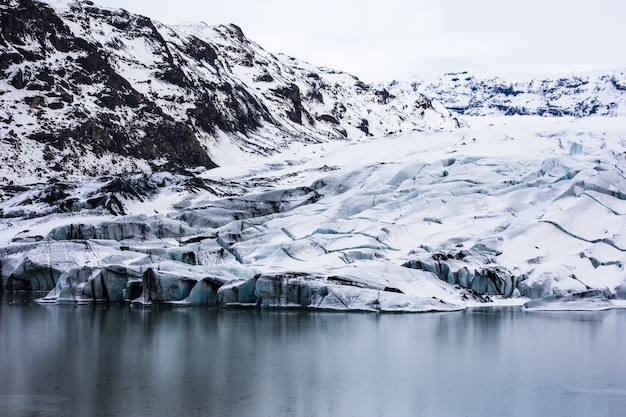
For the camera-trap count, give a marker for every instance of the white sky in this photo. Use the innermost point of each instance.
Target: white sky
(396, 39)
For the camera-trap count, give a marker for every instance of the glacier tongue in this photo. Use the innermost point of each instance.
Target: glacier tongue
(500, 212)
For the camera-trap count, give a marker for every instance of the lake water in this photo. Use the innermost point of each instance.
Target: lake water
(126, 361)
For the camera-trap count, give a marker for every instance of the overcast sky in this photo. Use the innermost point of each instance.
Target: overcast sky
(396, 39)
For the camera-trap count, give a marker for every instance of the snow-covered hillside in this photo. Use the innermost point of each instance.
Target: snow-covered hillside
(507, 210)
(90, 90)
(578, 95)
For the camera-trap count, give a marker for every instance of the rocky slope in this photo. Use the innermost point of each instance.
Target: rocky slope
(577, 95)
(96, 91)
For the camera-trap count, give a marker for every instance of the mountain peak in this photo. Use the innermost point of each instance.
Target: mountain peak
(91, 90)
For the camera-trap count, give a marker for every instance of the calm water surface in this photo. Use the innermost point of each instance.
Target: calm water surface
(124, 361)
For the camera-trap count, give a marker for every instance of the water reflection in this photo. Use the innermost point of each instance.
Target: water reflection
(116, 360)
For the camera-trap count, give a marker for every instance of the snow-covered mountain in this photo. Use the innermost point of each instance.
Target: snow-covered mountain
(91, 90)
(578, 95)
(330, 193)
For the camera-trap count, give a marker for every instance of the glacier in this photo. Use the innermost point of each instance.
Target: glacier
(521, 210)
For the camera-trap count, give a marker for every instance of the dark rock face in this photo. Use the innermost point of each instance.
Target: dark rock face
(292, 93)
(86, 64)
(38, 21)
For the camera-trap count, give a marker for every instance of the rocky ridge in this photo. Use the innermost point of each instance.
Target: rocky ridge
(86, 90)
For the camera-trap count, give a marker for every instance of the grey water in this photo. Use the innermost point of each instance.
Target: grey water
(118, 360)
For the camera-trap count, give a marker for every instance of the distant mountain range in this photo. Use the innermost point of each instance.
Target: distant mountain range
(577, 95)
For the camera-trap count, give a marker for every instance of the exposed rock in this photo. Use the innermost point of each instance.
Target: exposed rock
(292, 92)
(159, 97)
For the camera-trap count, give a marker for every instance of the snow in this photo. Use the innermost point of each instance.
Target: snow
(336, 221)
(141, 52)
(592, 93)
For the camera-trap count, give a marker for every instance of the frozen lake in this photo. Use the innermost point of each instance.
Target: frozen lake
(121, 361)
